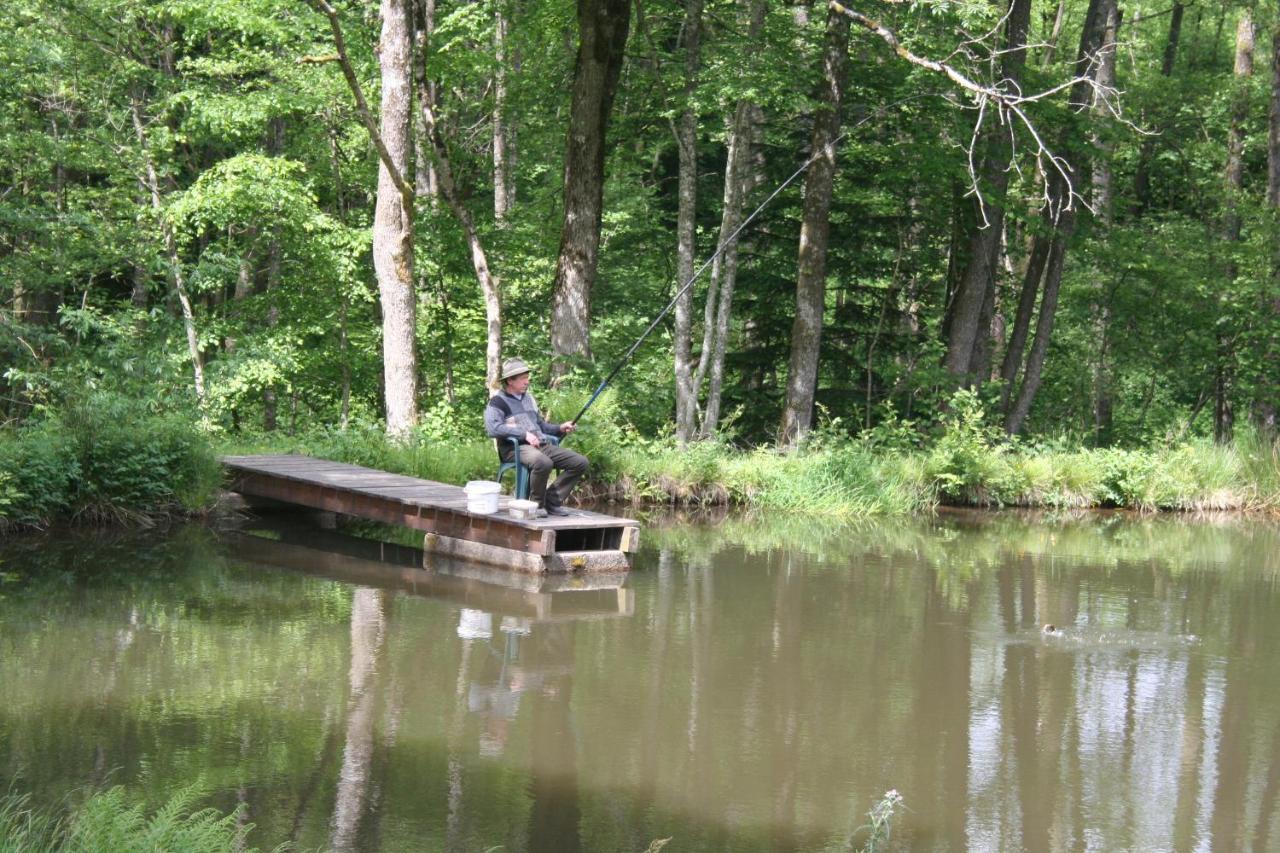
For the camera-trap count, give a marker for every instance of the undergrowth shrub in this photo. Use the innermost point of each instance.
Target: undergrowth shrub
(105, 459)
(886, 470)
(968, 463)
(40, 469)
(136, 463)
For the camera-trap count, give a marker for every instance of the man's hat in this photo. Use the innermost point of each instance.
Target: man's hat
(513, 367)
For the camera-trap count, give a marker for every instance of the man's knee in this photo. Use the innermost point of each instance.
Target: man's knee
(539, 463)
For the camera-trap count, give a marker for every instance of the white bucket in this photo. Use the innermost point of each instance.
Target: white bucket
(482, 496)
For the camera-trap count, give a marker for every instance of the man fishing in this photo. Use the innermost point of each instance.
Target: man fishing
(513, 413)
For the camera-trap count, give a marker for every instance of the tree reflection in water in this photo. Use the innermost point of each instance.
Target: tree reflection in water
(749, 686)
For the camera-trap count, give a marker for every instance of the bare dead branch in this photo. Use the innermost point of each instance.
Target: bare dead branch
(1007, 102)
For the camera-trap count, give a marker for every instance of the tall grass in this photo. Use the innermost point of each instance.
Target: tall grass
(1260, 459)
(451, 461)
(852, 478)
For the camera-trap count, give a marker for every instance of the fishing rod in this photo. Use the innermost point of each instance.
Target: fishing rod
(728, 241)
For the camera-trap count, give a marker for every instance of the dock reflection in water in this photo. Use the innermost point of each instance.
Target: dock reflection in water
(517, 647)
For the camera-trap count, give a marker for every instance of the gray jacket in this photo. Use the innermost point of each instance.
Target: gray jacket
(523, 417)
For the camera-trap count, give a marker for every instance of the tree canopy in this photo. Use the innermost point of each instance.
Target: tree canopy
(191, 187)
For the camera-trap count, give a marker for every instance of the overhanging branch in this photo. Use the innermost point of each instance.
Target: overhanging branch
(1008, 103)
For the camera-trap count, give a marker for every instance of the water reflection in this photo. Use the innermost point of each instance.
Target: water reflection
(516, 653)
(750, 686)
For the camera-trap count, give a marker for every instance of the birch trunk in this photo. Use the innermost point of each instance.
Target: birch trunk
(177, 281)
(1269, 394)
(502, 184)
(355, 779)
(740, 178)
(1102, 202)
(815, 226)
(393, 224)
(743, 173)
(275, 147)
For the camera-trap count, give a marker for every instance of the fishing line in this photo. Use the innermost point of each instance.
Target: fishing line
(830, 146)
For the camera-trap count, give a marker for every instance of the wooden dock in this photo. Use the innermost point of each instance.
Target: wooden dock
(582, 541)
(382, 565)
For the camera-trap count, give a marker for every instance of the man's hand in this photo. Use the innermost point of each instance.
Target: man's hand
(567, 427)
(532, 439)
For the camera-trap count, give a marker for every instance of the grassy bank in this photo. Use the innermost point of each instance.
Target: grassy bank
(846, 479)
(114, 461)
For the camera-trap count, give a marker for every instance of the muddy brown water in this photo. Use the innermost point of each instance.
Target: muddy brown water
(754, 684)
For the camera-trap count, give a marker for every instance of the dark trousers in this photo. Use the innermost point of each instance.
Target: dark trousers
(540, 461)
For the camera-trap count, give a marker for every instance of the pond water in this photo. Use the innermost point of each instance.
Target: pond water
(750, 685)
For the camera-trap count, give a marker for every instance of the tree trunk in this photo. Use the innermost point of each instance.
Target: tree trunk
(138, 292)
(1055, 32)
(1102, 203)
(176, 279)
(344, 346)
(815, 226)
(742, 175)
(502, 183)
(1011, 367)
(1044, 325)
(1234, 174)
(393, 224)
(602, 36)
(1142, 175)
(967, 337)
(340, 200)
(743, 171)
(1269, 393)
(355, 783)
(1106, 76)
(1092, 40)
(426, 182)
(686, 225)
(1234, 180)
(275, 147)
(490, 287)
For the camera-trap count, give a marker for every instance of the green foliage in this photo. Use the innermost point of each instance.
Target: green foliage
(107, 820)
(105, 458)
(968, 463)
(1260, 458)
(42, 470)
(131, 460)
(267, 179)
(24, 829)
